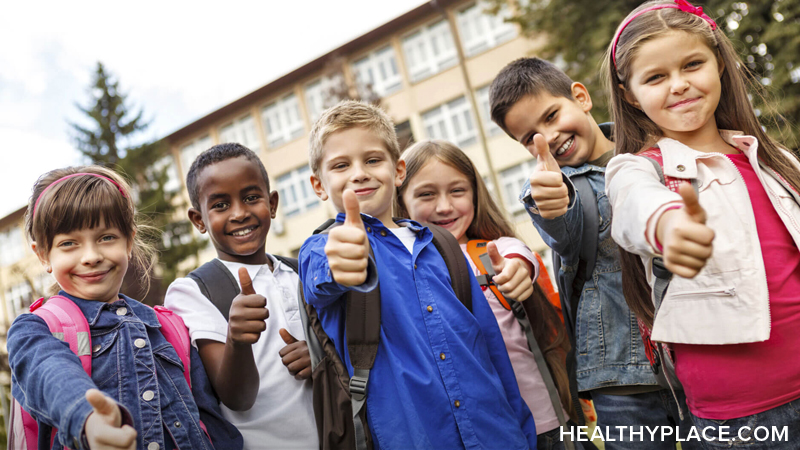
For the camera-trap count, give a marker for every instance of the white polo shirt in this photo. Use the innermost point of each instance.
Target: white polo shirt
(282, 416)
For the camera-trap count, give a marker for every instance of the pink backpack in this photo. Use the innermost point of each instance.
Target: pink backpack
(67, 323)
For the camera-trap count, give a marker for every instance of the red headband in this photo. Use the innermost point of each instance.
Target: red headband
(35, 205)
(683, 5)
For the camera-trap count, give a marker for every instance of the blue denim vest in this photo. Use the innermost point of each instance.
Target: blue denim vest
(609, 350)
(132, 363)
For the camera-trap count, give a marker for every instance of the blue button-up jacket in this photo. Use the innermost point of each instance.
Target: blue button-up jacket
(609, 349)
(147, 380)
(442, 377)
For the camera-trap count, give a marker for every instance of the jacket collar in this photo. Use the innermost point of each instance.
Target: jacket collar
(680, 161)
(92, 309)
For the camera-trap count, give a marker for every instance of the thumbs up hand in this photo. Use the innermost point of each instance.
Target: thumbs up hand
(348, 247)
(513, 278)
(686, 239)
(295, 356)
(547, 184)
(104, 429)
(248, 313)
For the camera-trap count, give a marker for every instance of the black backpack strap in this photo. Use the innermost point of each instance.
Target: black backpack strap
(217, 283)
(291, 262)
(456, 262)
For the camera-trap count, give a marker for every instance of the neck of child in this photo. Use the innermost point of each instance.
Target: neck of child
(387, 221)
(258, 258)
(705, 139)
(602, 144)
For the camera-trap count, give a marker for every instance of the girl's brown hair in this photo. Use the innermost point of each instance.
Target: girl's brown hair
(489, 223)
(84, 202)
(634, 131)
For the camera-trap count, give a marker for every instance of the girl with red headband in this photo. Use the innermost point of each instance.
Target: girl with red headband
(699, 185)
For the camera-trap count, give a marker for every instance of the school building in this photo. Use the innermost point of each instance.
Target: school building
(431, 69)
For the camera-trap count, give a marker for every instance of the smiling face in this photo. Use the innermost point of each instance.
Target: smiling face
(675, 81)
(357, 159)
(90, 263)
(236, 209)
(566, 124)
(440, 194)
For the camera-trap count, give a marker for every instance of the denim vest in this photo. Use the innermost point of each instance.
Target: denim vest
(132, 363)
(609, 350)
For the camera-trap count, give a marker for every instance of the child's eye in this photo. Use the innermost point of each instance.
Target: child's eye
(653, 78)
(425, 194)
(251, 198)
(694, 64)
(458, 191)
(66, 244)
(219, 205)
(551, 116)
(108, 238)
(373, 161)
(339, 166)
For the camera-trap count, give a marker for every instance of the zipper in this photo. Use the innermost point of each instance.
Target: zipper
(729, 292)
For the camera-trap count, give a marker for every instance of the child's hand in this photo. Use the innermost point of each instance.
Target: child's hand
(295, 356)
(348, 247)
(547, 185)
(513, 278)
(684, 235)
(246, 320)
(104, 429)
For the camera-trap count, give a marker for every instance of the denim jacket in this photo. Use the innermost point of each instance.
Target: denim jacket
(132, 363)
(609, 350)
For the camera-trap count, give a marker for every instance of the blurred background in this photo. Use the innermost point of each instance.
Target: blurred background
(145, 87)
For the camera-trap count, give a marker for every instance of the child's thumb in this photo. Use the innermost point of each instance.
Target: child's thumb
(692, 203)
(246, 282)
(541, 151)
(102, 404)
(498, 262)
(352, 211)
(287, 338)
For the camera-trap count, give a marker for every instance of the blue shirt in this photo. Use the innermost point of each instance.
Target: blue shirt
(132, 363)
(442, 377)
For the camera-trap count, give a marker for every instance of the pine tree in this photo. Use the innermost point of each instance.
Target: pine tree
(109, 142)
(766, 34)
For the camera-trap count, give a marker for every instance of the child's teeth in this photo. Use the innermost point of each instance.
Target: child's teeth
(564, 147)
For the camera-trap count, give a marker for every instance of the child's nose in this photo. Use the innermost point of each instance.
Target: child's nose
(444, 205)
(359, 173)
(679, 85)
(239, 212)
(91, 256)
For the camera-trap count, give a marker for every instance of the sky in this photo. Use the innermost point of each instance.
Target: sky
(176, 60)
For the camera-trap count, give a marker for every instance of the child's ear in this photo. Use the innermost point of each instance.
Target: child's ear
(319, 188)
(42, 258)
(273, 203)
(628, 96)
(197, 220)
(581, 95)
(130, 244)
(400, 173)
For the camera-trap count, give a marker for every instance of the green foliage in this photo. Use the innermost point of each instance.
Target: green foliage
(578, 32)
(146, 167)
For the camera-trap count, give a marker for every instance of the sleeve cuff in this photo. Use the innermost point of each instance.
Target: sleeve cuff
(652, 225)
(372, 277)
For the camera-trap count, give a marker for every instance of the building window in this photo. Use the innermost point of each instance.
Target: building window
(377, 72)
(485, 111)
(20, 297)
(12, 246)
(512, 180)
(296, 193)
(451, 121)
(241, 131)
(429, 51)
(480, 31)
(282, 121)
(322, 94)
(189, 152)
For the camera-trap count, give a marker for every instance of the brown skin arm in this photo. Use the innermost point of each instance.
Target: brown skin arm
(231, 368)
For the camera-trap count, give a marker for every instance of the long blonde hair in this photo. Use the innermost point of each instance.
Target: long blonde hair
(489, 223)
(634, 131)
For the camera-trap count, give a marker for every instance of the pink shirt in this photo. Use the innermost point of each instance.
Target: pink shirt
(730, 381)
(531, 384)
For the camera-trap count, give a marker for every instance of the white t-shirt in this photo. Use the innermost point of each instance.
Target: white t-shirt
(282, 416)
(406, 236)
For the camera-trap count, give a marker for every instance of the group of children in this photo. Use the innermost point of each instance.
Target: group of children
(686, 298)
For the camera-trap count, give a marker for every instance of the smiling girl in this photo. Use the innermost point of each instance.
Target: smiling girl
(731, 312)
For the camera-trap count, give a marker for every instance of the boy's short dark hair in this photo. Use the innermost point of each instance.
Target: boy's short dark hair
(213, 155)
(524, 77)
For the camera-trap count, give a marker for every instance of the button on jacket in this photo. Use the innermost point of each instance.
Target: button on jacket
(442, 377)
(132, 363)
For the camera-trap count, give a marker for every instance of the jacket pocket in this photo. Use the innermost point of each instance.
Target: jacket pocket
(169, 355)
(105, 362)
(702, 294)
(589, 323)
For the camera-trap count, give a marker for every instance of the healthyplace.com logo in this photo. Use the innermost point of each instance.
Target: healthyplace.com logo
(660, 434)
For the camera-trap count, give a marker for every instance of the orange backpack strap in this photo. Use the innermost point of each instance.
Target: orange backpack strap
(476, 249)
(546, 283)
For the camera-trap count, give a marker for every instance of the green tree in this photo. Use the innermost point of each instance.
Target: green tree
(766, 34)
(109, 141)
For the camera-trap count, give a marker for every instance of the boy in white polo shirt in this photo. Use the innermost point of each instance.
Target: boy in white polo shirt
(247, 341)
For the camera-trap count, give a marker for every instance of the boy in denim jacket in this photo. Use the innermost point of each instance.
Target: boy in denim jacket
(540, 107)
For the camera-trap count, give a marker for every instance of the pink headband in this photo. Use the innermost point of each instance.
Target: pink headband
(35, 205)
(683, 5)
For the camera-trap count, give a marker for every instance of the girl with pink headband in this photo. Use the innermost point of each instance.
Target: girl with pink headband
(699, 185)
(123, 386)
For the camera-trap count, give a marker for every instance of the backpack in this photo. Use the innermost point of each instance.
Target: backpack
(339, 401)
(67, 323)
(476, 248)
